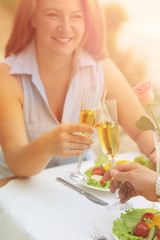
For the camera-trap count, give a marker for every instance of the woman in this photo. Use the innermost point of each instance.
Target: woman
(55, 48)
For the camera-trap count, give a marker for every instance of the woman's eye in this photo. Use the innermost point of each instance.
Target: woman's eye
(53, 15)
(78, 17)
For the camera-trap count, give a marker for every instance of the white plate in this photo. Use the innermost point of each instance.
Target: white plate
(115, 237)
(95, 188)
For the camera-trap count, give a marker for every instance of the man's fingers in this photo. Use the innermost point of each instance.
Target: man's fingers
(106, 176)
(126, 192)
(114, 185)
(122, 174)
(124, 167)
(119, 175)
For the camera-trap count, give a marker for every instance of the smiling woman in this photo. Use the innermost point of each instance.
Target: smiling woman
(54, 50)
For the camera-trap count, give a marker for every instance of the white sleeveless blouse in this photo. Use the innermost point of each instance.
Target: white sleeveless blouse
(38, 117)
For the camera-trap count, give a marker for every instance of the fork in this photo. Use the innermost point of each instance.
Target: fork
(96, 232)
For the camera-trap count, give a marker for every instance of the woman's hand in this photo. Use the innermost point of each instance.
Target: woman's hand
(63, 141)
(138, 180)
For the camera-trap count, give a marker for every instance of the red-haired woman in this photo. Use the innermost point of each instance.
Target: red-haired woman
(54, 49)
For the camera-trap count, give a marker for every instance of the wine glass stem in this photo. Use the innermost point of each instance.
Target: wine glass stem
(79, 163)
(113, 166)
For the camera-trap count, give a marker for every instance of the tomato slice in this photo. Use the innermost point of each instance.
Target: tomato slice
(141, 229)
(98, 171)
(147, 215)
(101, 182)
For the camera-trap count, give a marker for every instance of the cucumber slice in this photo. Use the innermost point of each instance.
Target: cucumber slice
(152, 233)
(96, 177)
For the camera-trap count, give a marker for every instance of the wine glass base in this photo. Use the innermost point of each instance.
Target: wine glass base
(116, 205)
(75, 177)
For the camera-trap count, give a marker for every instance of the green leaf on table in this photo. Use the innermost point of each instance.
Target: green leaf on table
(145, 124)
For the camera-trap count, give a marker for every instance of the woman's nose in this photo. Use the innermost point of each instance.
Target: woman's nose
(65, 25)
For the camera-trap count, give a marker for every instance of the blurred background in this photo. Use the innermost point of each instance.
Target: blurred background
(133, 40)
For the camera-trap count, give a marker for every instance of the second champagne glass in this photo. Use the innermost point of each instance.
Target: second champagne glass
(108, 134)
(93, 96)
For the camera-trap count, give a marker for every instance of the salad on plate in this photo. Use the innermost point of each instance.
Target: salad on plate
(138, 224)
(95, 173)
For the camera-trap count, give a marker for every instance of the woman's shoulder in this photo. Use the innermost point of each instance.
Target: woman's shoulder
(9, 84)
(23, 61)
(108, 63)
(110, 69)
(4, 69)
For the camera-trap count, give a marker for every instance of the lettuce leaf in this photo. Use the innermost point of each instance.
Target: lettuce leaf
(145, 162)
(101, 161)
(97, 184)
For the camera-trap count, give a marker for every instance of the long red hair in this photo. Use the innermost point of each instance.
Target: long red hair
(23, 32)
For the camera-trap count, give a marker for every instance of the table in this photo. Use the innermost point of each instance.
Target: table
(39, 207)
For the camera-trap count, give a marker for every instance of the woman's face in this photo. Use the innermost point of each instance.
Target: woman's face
(59, 26)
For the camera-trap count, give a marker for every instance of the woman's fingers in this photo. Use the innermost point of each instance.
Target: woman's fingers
(77, 138)
(76, 127)
(78, 146)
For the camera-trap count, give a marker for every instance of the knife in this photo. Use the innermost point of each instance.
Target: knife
(85, 193)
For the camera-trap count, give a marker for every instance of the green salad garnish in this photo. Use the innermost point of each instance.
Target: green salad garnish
(123, 226)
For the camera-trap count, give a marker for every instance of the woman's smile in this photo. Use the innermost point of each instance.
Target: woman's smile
(62, 40)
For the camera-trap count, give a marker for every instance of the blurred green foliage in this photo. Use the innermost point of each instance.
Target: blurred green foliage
(10, 4)
(133, 69)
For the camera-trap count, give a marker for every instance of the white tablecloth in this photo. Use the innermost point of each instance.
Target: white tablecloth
(40, 208)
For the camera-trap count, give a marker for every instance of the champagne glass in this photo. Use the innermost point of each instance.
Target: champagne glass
(108, 134)
(93, 96)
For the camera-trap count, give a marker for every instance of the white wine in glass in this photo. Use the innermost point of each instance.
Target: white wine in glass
(108, 134)
(93, 96)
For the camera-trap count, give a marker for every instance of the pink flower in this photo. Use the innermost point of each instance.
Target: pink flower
(144, 92)
(146, 96)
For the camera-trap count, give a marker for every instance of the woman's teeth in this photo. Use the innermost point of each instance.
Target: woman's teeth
(63, 39)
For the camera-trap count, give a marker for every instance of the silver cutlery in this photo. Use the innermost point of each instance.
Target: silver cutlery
(96, 232)
(85, 193)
